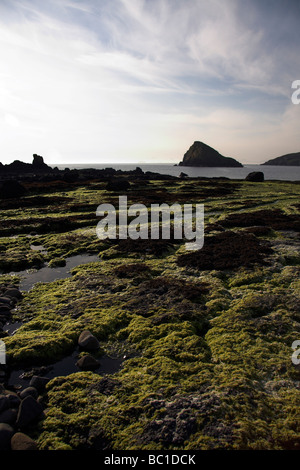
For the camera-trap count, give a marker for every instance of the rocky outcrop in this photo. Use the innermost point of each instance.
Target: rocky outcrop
(290, 159)
(17, 167)
(201, 155)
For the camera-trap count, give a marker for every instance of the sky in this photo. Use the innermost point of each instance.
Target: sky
(138, 81)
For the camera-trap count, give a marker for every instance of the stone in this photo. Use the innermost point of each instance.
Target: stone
(20, 441)
(88, 341)
(39, 383)
(32, 391)
(30, 410)
(4, 403)
(13, 293)
(8, 416)
(5, 309)
(6, 300)
(6, 433)
(14, 400)
(255, 176)
(87, 363)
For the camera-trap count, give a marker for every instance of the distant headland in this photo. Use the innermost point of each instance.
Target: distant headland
(290, 159)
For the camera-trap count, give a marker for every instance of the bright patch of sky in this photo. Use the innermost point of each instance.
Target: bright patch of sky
(131, 81)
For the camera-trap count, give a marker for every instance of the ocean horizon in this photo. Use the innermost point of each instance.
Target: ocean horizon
(281, 173)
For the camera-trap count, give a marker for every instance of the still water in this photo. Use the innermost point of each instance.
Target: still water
(272, 172)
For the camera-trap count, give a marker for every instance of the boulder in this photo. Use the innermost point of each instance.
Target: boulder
(4, 403)
(6, 300)
(13, 292)
(88, 341)
(30, 410)
(14, 400)
(20, 441)
(6, 433)
(255, 176)
(87, 363)
(39, 383)
(8, 416)
(29, 391)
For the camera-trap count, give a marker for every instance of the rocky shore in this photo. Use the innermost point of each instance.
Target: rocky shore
(198, 345)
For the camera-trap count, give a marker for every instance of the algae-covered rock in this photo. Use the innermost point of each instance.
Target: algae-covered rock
(202, 340)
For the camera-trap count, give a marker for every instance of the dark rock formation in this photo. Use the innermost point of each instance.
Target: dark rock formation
(255, 176)
(290, 159)
(38, 161)
(201, 155)
(17, 167)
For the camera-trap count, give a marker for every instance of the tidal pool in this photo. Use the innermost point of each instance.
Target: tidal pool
(30, 277)
(64, 367)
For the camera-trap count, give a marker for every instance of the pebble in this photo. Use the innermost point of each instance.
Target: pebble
(87, 363)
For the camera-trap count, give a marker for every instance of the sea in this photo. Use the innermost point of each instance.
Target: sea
(283, 173)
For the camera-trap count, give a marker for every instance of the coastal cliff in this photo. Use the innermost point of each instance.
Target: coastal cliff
(290, 159)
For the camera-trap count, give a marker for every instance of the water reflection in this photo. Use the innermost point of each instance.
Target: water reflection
(30, 277)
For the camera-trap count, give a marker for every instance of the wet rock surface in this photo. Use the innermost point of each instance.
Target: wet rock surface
(192, 349)
(18, 412)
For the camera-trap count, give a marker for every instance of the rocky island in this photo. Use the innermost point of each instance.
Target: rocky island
(202, 155)
(290, 159)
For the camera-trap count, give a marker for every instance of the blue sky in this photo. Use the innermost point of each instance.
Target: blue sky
(109, 81)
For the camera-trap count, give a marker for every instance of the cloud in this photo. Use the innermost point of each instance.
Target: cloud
(138, 79)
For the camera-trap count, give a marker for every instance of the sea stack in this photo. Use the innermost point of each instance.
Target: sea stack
(202, 155)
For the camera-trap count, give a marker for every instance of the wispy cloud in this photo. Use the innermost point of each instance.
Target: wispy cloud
(137, 79)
